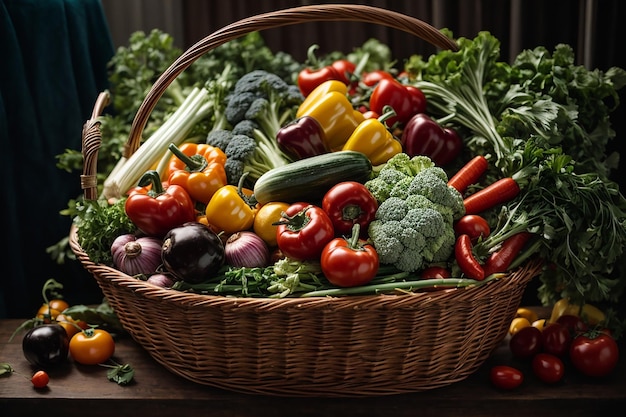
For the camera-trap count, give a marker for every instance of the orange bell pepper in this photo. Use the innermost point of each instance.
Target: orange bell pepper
(199, 169)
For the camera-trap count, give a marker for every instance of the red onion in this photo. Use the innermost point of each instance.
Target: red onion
(161, 280)
(135, 256)
(246, 249)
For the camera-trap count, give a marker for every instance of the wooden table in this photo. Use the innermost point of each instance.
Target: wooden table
(77, 390)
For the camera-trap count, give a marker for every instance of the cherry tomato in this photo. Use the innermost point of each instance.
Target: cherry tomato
(517, 324)
(47, 314)
(472, 225)
(594, 354)
(556, 339)
(40, 379)
(435, 272)
(349, 262)
(303, 232)
(58, 304)
(345, 69)
(526, 342)
(70, 325)
(264, 221)
(347, 203)
(574, 324)
(527, 313)
(506, 377)
(92, 346)
(548, 368)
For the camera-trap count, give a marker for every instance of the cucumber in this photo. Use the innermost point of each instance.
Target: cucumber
(309, 179)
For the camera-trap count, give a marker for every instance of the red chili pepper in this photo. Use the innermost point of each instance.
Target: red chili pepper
(155, 210)
(494, 194)
(424, 136)
(405, 100)
(302, 138)
(468, 174)
(501, 260)
(466, 260)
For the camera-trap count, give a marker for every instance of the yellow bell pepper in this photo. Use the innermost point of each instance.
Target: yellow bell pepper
(591, 314)
(372, 138)
(230, 209)
(329, 105)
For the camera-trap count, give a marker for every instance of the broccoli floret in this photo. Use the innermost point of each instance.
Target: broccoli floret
(234, 170)
(245, 127)
(407, 165)
(384, 182)
(401, 188)
(265, 98)
(240, 147)
(419, 237)
(219, 138)
(433, 184)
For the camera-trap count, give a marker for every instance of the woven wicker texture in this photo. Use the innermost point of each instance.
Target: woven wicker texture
(332, 347)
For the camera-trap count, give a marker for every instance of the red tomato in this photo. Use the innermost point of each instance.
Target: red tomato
(526, 342)
(472, 225)
(345, 69)
(574, 324)
(594, 355)
(556, 339)
(348, 263)
(435, 272)
(304, 232)
(347, 203)
(92, 346)
(40, 379)
(506, 377)
(548, 368)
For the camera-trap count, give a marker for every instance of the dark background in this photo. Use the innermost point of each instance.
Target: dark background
(61, 47)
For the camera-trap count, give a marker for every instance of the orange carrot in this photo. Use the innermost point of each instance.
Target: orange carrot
(468, 174)
(494, 194)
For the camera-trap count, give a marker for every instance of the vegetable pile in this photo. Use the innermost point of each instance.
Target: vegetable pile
(264, 177)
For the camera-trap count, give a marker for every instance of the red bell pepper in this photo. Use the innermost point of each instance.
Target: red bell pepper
(348, 203)
(424, 136)
(405, 100)
(303, 232)
(155, 210)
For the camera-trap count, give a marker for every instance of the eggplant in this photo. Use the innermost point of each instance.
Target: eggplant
(192, 252)
(46, 345)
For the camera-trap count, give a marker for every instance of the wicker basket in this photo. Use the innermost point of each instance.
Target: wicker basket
(343, 346)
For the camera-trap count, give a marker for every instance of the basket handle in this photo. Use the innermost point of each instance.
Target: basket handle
(270, 20)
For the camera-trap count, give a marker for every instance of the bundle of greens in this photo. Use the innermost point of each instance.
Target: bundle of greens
(545, 122)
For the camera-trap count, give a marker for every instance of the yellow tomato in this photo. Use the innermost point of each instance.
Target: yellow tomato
(527, 313)
(517, 324)
(540, 324)
(265, 217)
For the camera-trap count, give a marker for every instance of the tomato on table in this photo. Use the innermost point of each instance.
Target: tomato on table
(40, 379)
(506, 377)
(548, 368)
(526, 342)
(594, 353)
(92, 346)
(556, 339)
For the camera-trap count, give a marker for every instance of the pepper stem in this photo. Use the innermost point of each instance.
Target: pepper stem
(195, 163)
(152, 178)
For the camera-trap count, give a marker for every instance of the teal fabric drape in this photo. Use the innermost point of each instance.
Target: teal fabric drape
(54, 57)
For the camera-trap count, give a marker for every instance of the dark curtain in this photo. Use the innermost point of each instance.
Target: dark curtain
(54, 54)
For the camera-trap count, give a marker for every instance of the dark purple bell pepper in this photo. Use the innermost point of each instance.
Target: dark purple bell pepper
(423, 135)
(302, 138)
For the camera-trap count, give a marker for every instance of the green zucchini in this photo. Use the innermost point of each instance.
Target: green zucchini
(309, 179)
